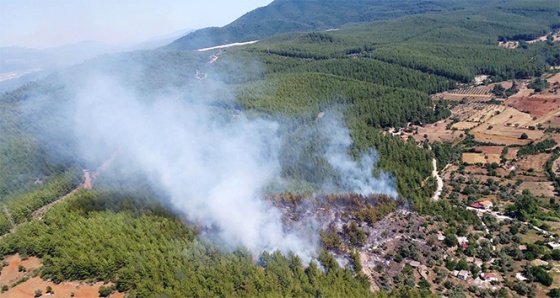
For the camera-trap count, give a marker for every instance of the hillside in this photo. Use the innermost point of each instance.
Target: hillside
(301, 165)
(284, 16)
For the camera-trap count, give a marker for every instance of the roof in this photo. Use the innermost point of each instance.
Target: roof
(485, 203)
(490, 275)
(476, 205)
(463, 273)
(554, 245)
(465, 245)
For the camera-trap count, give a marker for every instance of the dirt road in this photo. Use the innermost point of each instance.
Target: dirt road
(439, 188)
(86, 184)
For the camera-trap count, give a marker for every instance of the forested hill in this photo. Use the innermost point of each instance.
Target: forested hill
(283, 16)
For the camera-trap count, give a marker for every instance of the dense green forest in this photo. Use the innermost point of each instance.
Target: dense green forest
(378, 75)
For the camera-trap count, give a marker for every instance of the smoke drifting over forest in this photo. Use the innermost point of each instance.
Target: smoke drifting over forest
(213, 164)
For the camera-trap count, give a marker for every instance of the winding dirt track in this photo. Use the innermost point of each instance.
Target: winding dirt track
(435, 174)
(86, 184)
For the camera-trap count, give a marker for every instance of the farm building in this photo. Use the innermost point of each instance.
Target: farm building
(483, 205)
(486, 204)
(490, 276)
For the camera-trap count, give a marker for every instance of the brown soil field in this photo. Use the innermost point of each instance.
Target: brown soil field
(533, 178)
(539, 188)
(523, 93)
(554, 79)
(485, 112)
(64, 289)
(446, 173)
(489, 154)
(502, 172)
(465, 125)
(437, 132)
(552, 119)
(511, 139)
(512, 153)
(11, 274)
(490, 158)
(490, 149)
(536, 106)
(510, 117)
(475, 170)
(474, 158)
(535, 162)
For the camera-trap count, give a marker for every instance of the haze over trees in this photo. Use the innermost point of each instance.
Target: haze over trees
(378, 73)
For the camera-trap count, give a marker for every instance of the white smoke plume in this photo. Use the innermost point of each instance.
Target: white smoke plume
(354, 175)
(213, 168)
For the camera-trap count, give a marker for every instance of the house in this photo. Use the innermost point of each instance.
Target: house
(464, 245)
(522, 247)
(554, 245)
(440, 237)
(490, 276)
(486, 204)
(463, 274)
(455, 273)
(462, 239)
(477, 206)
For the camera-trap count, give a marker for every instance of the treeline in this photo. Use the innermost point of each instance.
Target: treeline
(21, 205)
(147, 255)
(537, 148)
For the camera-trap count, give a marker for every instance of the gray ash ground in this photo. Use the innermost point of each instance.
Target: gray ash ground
(400, 232)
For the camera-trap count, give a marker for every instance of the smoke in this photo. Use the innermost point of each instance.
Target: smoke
(212, 163)
(352, 175)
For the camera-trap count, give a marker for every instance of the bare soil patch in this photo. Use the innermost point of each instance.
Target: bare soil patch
(464, 125)
(539, 188)
(508, 116)
(63, 289)
(537, 106)
(474, 158)
(554, 79)
(490, 149)
(497, 139)
(535, 162)
(437, 132)
(11, 273)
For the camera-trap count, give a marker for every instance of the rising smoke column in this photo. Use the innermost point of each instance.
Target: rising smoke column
(213, 168)
(354, 176)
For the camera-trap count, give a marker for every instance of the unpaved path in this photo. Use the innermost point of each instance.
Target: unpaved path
(86, 184)
(439, 188)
